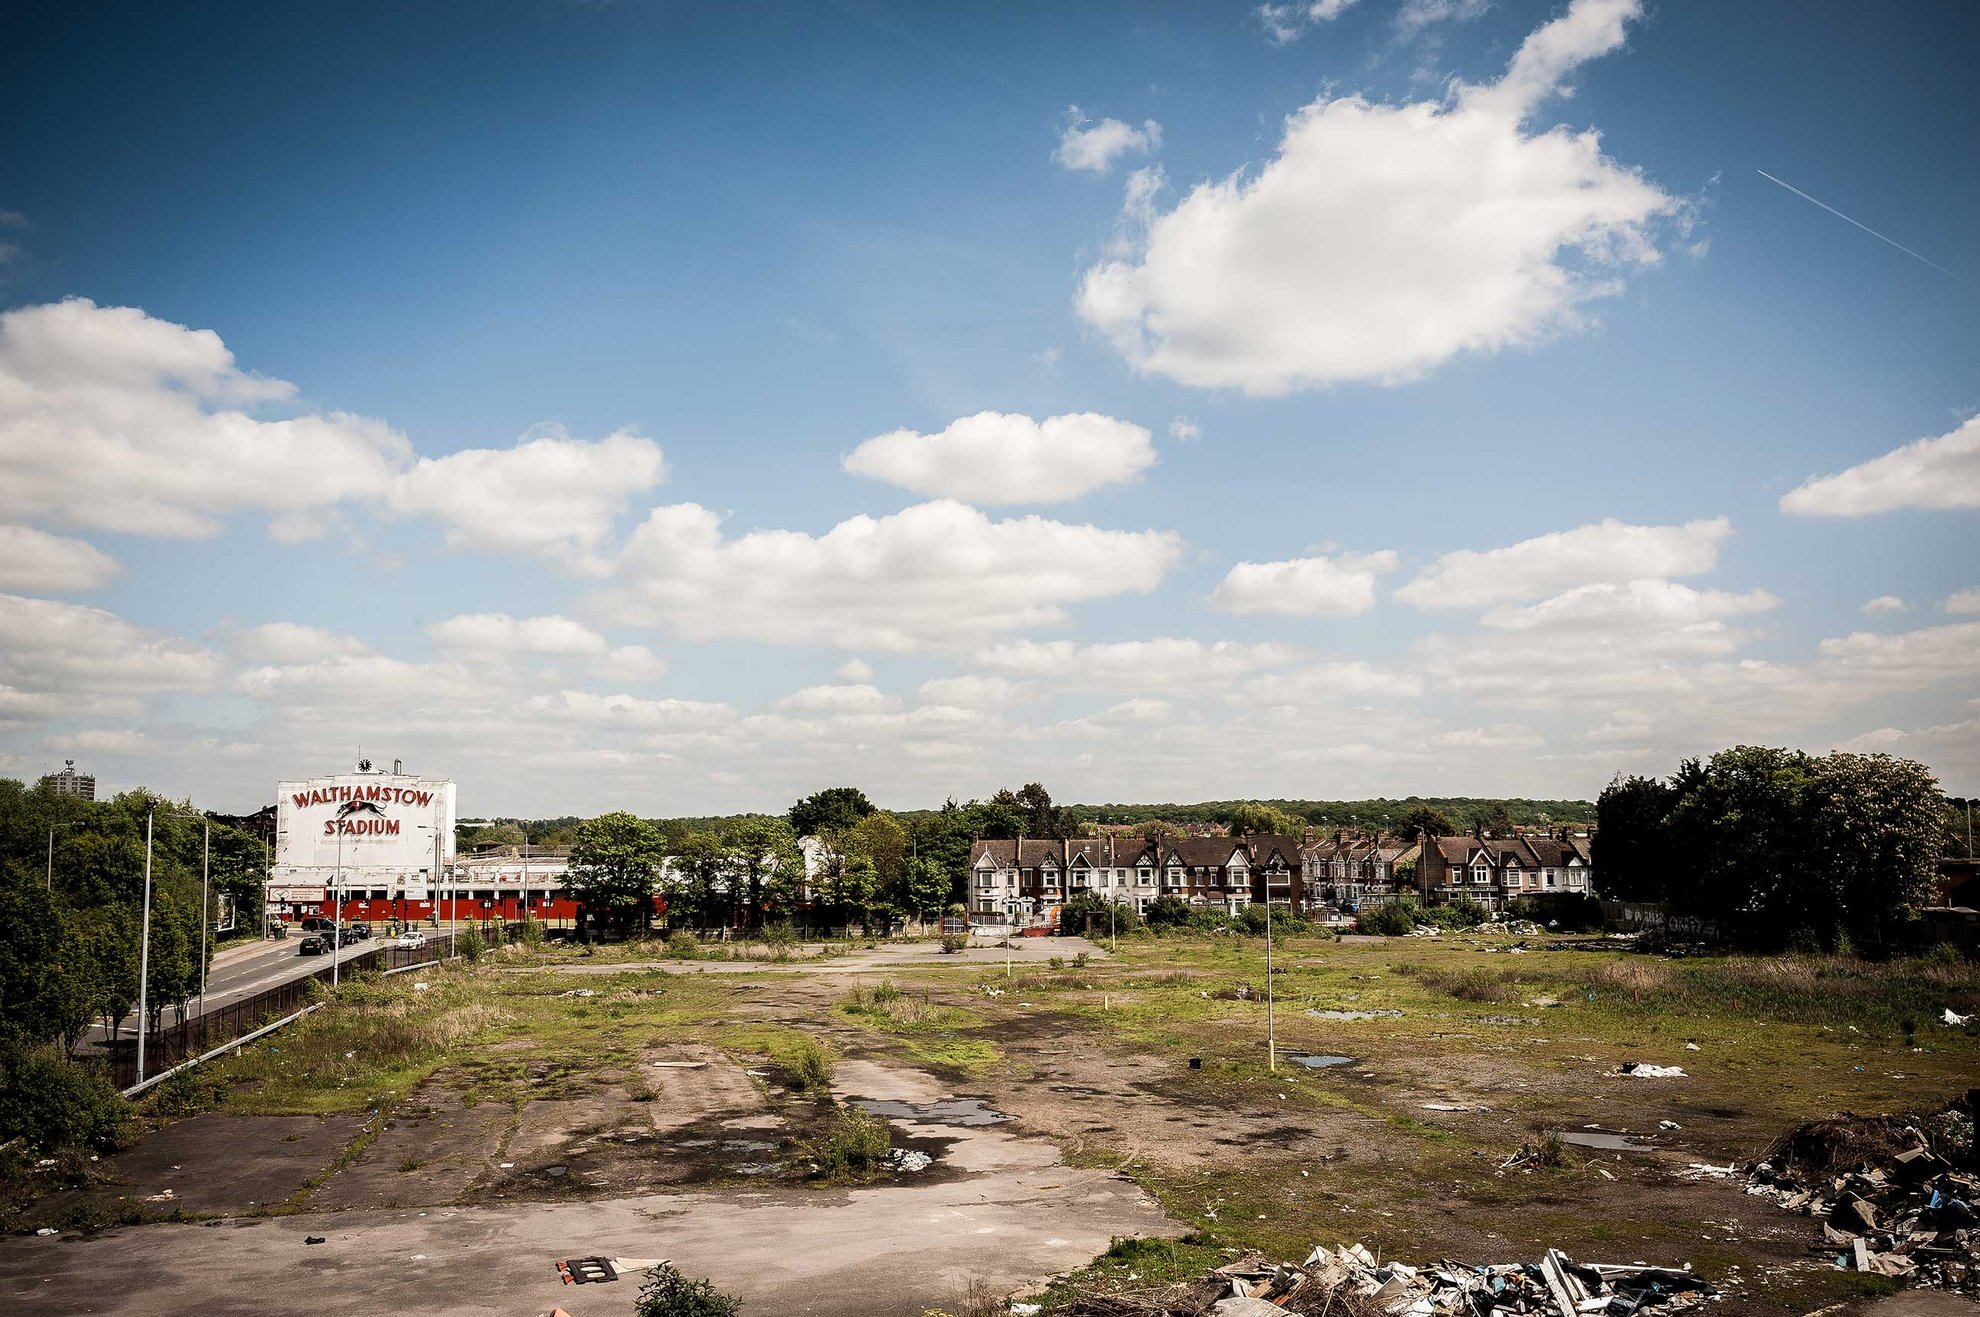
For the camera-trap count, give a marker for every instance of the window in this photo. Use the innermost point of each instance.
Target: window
(986, 881)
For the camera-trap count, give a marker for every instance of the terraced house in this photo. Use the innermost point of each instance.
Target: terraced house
(1359, 873)
(1495, 871)
(1031, 875)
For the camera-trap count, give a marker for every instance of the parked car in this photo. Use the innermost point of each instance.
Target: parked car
(362, 932)
(315, 924)
(410, 938)
(314, 946)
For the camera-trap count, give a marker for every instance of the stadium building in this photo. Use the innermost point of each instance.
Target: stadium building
(366, 845)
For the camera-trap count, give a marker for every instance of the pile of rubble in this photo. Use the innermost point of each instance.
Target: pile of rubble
(1889, 1192)
(1351, 1281)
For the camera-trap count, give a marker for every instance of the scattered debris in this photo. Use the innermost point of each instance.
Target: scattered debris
(1890, 1197)
(578, 992)
(422, 987)
(1355, 1015)
(1352, 1280)
(679, 1065)
(907, 1159)
(1643, 1070)
(312, 1239)
(586, 1271)
(1954, 1018)
(48, 1230)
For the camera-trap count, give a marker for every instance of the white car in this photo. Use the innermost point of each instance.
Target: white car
(410, 938)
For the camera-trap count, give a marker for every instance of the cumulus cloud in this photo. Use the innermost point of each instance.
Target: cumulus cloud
(1165, 664)
(934, 575)
(854, 669)
(1095, 146)
(1963, 601)
(1343, 586)
(550, 493)
(1383, 240)
(1611, 552)
(1939, 474)
(68, 660)
(1286, 22)
(971, 691)
(497, 635)
(850, 698)
(35, 560)
(1907, 659)
(1885, 603)
(295, 642)
(1415, 15)
(100, 741)
(113, 419)
(1331, 683)
(999, 457)
(1183, 429)
(1631, 606)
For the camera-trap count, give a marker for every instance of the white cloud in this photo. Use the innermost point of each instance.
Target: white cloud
(1383, 240)
(1611, 551)
(110, 418)
(100, 741)
(1183, 429)
(68, 660)
(629, 663)
(1932, 474)
(1331, 683)
(626, 712)
(1886, 603)
(1285, 22)
(1095, 146)
(838, 699)
(1631, 606)
(999, 457)
(854, 669)
(931, 576)
(976, 692)
(35, 560)
(1415, 15)
(1963, 601)
(1908, 659)
(1166, 663)
(497, 636)
(549, 494)
(295, 642)
(1304, 587)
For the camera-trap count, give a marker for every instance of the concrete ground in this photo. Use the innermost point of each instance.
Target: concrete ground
(1002, 1208)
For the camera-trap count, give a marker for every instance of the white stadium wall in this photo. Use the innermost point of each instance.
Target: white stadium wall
(387, 832)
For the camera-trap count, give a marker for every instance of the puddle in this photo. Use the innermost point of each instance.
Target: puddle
(756, 1168)
(1606, 1142)
(1356, 1015)
(747, 1145)
(1315, 1061)
(950, 1111)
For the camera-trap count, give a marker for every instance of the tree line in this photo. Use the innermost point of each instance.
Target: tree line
(1780, 849)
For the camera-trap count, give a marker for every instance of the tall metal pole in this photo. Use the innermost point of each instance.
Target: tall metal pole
(525, 881)
(337, 912)
(1271, 1023)
(144, 948)
(205, 908)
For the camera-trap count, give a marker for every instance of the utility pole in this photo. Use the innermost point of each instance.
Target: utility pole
(144, 947)
(337, 911)
(1271, 1023)
(205, 908)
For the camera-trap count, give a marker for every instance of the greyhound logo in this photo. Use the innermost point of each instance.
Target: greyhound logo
(351, 821)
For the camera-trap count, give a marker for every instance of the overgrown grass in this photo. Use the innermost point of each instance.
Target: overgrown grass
(853, 1149)
(940, 1036)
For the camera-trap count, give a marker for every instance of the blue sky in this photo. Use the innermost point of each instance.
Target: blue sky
(1373, 301)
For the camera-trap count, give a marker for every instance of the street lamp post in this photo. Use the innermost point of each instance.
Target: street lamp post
(144, 948)
(337, 913)
(205, 908)
(1271, 1030)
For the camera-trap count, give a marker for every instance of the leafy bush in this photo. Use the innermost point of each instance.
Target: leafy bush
(1392, 919)
(682, 945)
(856, 1147)
(667, 1293)
(49, 1102)
(530, 934)
(1571, 912)
(809, 1064)
(952, 943)
(468, 943)
(1169, 912)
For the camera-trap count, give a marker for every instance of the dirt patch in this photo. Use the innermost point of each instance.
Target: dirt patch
(267, 1161)
(432, 1148)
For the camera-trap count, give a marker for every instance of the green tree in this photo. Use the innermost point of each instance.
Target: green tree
(1739, 849)
(44, 977)
(1632, 846)
(924, 887)
(1426, 821)
(761, 851)
(834, 807)
(1874, 822)
(854, 886)
(881, 838)
(698, 886)
(614, 865)
(1254, 818)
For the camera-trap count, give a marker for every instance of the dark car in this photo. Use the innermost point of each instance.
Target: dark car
(315, 924)
(314, 946)
(362, 932)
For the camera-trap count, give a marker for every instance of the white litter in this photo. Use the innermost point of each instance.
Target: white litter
(421, 987)
(1638, 1070)
(1954, 1018)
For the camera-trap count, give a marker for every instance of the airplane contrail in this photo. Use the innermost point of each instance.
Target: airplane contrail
(1865, 227)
